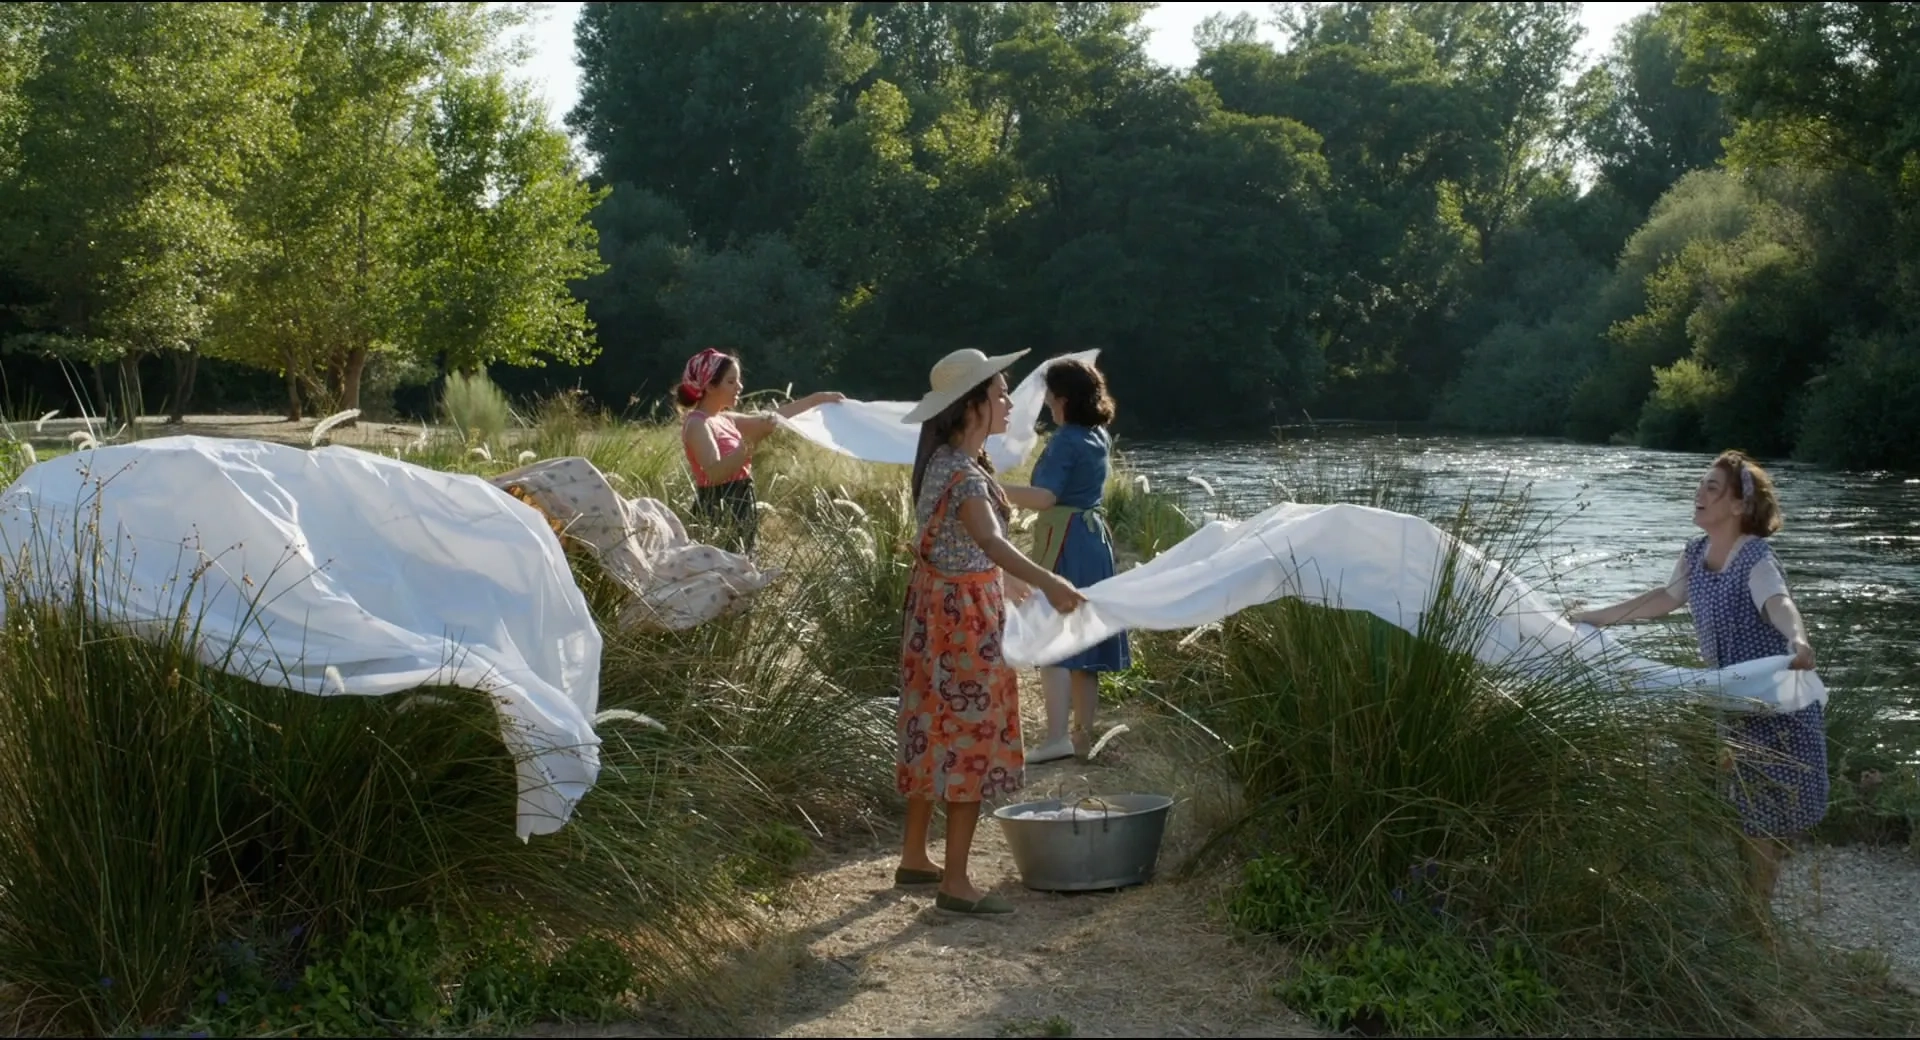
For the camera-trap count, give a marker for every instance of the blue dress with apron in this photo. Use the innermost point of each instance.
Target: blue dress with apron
(1072, 538)
(1780, 759)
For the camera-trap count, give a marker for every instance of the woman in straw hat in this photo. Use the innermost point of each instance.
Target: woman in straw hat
(719, 445)
(959, 699)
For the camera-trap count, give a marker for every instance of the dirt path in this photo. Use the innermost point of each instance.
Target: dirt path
(850, 955)
(872, 961)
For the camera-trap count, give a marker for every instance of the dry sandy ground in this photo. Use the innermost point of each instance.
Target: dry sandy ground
(256, 427)
(853, 956)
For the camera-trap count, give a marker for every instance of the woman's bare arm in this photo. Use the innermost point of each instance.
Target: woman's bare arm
(977, 517)
(1033, 498)
(1644, 607)
(810, 402)
(1785, 617)
(706, 451)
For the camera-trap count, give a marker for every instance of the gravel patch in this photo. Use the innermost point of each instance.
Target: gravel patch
(1858, 897)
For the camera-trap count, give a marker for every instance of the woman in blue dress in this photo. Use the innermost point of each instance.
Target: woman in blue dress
(1742, 611)
(1071, 538)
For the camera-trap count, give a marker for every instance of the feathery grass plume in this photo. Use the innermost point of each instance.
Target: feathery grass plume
(40, 424)
(325, 426)
(475, 407)
(1144, 522)
(20, 454)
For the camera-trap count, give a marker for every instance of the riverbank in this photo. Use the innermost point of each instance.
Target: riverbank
(805, 937)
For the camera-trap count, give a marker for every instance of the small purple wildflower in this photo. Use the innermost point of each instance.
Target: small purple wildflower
(1399, 895)
(220, 998)
(106, 982)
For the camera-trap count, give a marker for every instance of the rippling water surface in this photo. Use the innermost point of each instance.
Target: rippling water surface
(1619, 517)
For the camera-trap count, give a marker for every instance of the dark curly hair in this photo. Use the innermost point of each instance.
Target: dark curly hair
(1082, 391)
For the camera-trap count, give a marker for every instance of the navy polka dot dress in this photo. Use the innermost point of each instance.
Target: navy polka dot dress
(1780, 760)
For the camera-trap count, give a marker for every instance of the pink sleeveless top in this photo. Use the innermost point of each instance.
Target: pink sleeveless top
(725, 435)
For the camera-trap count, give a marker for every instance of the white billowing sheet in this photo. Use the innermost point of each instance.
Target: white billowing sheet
(331, 572)
(673, 583)
(1384, 563)
(872, 431)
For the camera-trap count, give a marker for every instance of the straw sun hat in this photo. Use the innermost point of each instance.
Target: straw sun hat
(953, 376)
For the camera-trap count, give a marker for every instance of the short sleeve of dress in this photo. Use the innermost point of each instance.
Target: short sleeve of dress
(1766, 581)
(972, 484)
(1677, 582)
(1056, 463)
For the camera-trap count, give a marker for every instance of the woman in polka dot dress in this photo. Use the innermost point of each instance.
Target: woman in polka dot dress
(1742, 611)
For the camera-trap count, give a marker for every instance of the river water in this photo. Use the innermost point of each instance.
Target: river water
(1618, 519)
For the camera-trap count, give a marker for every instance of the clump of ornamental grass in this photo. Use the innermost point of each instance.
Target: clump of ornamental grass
(476, 408)
(158, 810)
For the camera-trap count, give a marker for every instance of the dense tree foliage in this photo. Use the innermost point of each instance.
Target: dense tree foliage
(1408, 211)
(305, 189)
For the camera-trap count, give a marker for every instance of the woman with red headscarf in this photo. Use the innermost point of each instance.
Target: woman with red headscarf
(719, 444)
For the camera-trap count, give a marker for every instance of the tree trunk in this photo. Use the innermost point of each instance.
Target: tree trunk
(186, 365)
(103, 407)
(293, 385)
(132, 399)
(350, 381)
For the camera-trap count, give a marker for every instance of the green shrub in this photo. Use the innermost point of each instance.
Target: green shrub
(1863, 410)
(1520, 378)
(1440, 984)
(1144, 521)
(406, 972)
(1675, 415)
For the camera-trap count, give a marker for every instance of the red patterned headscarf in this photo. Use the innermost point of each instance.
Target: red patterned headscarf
(700, 371)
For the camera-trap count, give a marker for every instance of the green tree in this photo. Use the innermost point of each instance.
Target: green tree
(1829, 85)
(759, 299)
(143, 123)
(1398, 142)
(20, 42)
(1640, 125)
(506, 234)
(347, 223)
(711, 104)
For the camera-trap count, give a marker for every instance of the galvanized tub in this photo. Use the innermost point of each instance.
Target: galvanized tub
(1113, 842)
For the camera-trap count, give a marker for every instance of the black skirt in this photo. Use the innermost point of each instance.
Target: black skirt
(728, 515)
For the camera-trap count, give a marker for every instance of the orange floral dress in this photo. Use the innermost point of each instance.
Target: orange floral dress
(960, 702)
